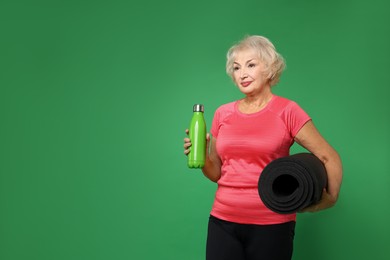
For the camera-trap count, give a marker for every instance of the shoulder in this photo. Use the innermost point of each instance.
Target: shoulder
(281, 104)
(227, 108)
(282, 101)
(224, 111)
(288, 110)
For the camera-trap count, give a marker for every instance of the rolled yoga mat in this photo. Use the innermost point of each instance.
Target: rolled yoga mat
(292, 183)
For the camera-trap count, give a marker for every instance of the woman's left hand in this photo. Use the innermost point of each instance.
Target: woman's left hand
(326, 201)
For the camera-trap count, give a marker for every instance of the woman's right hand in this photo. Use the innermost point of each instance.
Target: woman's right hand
(212, 167)
(187, 144)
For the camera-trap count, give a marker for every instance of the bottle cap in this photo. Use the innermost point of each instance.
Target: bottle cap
(198, 108)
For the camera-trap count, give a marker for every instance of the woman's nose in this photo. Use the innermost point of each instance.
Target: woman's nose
(243, 74)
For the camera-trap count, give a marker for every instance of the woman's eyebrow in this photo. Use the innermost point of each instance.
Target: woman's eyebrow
(235, 62)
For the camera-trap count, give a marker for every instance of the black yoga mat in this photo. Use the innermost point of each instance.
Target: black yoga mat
(292, 183)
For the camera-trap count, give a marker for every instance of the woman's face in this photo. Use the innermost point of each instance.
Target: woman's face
(248, 72)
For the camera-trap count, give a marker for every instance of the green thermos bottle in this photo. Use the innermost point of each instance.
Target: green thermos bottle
(197, 134)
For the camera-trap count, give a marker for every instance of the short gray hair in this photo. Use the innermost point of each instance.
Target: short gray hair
(273, 61)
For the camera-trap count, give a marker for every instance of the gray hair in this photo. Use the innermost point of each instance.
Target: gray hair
(273, 61)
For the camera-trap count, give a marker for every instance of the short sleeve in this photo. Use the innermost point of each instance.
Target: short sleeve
(215, 124)
(295, 118)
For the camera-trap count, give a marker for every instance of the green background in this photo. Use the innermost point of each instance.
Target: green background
(95, 97)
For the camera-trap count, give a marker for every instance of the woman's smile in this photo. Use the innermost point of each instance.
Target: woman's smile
(246, 83)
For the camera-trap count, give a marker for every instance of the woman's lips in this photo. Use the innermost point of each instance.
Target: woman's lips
(246, 83)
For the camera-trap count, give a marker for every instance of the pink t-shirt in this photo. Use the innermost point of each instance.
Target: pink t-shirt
(246, 143)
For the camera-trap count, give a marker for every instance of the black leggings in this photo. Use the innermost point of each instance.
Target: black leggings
(232, 241)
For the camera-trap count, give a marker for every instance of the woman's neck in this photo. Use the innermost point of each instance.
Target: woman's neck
(253, 104)
(259, 100)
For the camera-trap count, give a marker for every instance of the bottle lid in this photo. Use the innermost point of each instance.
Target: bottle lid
(198, 108)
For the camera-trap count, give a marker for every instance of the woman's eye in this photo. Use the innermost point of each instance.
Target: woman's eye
(251, 65)
(236, 68)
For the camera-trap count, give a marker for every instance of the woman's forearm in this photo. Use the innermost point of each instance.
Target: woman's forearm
(212, 170)
(212, 167)
(330, 194)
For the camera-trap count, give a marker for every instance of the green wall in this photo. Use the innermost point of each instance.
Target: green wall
(95, 97)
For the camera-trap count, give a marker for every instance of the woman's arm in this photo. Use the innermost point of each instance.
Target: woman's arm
(311, 139)
(212, 166)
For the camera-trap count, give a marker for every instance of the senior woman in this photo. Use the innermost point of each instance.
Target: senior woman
(248, 134)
